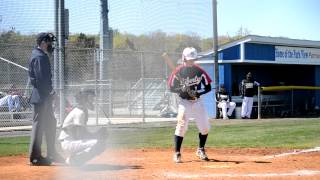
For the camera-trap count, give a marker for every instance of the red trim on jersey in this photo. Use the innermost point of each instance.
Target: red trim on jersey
(204, 72)
(173, 74)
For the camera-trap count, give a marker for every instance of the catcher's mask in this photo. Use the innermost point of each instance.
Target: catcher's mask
(85, 98)
(47, 37)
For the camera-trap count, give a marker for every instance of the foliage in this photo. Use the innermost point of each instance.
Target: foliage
(156, 41)
(13, 37)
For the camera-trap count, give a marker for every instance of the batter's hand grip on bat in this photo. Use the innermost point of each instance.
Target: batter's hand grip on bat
(168, 61)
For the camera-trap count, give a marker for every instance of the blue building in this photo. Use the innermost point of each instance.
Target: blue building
(273, 61)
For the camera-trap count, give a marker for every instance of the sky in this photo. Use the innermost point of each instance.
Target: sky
(296, 19)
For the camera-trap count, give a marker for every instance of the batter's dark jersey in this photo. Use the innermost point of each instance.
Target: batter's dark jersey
(194, 77)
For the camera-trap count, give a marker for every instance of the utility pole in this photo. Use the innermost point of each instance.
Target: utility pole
(215, 48)
(105, 54)
(105, 39)
(61, 54)
(56, 52)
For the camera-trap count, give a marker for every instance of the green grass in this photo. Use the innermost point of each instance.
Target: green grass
(267, 133)
(280, 133)
(14, 145)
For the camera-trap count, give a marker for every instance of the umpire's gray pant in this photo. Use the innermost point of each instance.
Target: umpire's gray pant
(43, 123)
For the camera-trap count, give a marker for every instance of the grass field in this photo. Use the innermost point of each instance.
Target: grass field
(273, 133)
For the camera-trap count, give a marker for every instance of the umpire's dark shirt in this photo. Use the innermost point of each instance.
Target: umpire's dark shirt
(40, 76)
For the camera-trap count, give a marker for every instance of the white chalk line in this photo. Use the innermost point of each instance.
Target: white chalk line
(192, 176)
(295, 173)
(316, 149)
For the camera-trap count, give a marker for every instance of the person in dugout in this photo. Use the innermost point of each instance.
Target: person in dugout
(248, 89)
(224, 103)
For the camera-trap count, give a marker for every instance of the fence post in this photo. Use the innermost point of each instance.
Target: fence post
(143, 87)
(259, 102)
(110, 97)
(95, 60)
(292, 102)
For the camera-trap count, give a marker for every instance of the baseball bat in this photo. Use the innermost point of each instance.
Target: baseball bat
(168, 61)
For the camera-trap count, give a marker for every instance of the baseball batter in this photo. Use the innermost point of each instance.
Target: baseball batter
(190, 81)
(77, 142)
(247, 90)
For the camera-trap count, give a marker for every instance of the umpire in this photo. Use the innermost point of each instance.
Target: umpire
(44, 123)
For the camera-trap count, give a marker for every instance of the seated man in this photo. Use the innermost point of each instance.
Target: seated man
(77, 142)
(10, 101)
(224, 102)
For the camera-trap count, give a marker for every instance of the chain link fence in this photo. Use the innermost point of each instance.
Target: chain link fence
(126, 83)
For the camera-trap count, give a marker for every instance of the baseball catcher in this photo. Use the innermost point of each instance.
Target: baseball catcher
(77, 142)
(190, 81)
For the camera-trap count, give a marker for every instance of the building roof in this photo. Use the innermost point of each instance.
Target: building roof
(273, 40)
(278, 41)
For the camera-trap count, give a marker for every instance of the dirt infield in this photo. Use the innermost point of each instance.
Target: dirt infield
(158, 164)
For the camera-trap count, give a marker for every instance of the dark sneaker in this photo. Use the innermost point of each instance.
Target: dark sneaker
(40, 162)
(202, 154)
(177, 157)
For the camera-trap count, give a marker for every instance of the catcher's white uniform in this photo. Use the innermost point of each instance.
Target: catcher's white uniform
(76, 142)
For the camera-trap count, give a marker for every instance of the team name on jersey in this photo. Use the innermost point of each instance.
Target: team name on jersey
(248, 85)
(192, 81)
(224, 97)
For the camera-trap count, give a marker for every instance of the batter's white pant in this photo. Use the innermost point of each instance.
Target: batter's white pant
(227, 108)
(246, 110)
(194, 109)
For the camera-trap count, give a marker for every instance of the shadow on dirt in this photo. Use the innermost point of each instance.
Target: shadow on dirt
(107, 167)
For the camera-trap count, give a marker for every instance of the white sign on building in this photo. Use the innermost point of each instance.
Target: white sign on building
(296, 55)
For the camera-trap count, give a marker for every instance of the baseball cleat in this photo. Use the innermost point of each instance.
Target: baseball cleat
(177, 157)
(202, 154)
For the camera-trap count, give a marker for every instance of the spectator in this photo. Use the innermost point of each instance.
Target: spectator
(10, 101)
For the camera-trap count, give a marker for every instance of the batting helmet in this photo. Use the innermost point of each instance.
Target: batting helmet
(189, 53)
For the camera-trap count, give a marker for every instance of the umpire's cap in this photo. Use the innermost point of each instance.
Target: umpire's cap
(47, 37)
